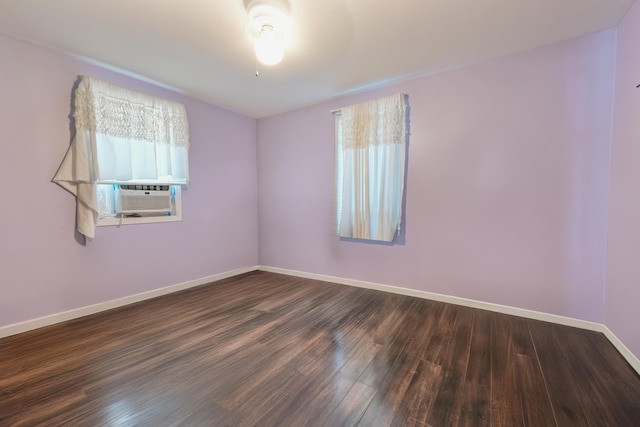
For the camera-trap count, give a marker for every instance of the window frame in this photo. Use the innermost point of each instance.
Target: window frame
(376, 224)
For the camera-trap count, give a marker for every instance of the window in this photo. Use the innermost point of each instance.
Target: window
(128, 157)
(371, 141)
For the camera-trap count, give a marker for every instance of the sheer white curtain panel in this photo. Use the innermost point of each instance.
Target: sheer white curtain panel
(121, 136)
(371, 143)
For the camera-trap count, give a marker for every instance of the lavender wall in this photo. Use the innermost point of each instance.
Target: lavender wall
(623, 269)
(507, 184)
(43, 270)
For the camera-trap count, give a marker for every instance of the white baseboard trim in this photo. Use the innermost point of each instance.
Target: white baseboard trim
(40, 322)
(504, 309)
(623, 349)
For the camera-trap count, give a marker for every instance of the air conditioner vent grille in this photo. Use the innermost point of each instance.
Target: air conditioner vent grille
(143, 200)
(144, 187)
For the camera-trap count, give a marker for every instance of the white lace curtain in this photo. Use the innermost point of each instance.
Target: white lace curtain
(370, 163)
(121, 136)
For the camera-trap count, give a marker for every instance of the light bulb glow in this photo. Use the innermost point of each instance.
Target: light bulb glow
(269, 46)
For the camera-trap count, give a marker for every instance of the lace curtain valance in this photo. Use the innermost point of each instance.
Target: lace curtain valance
(377, 122)
(104, 108)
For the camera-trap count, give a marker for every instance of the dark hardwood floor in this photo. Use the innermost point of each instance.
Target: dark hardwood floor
(270, 350)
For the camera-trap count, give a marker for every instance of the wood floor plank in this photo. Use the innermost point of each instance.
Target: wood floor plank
(420, 395)
(440, 333)
(390, 393)
(476, 398)
(447, 406)
(534, 398)
(310, 403)
(506, 407)
(559, 370)
(263, 349)
(352, 407)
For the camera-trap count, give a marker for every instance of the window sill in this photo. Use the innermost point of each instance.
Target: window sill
(117, 221)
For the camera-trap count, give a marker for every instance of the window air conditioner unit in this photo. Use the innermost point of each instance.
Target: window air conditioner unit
(135, 199)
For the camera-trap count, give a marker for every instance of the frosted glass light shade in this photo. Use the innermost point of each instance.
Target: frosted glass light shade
(268, 28)
(269, 47)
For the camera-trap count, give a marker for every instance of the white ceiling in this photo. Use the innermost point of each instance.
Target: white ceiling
(336, 47)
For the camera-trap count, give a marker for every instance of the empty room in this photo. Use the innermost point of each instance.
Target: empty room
(320, 213)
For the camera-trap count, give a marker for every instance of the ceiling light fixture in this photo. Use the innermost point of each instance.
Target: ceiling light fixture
(269, 47)
(268, 28)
